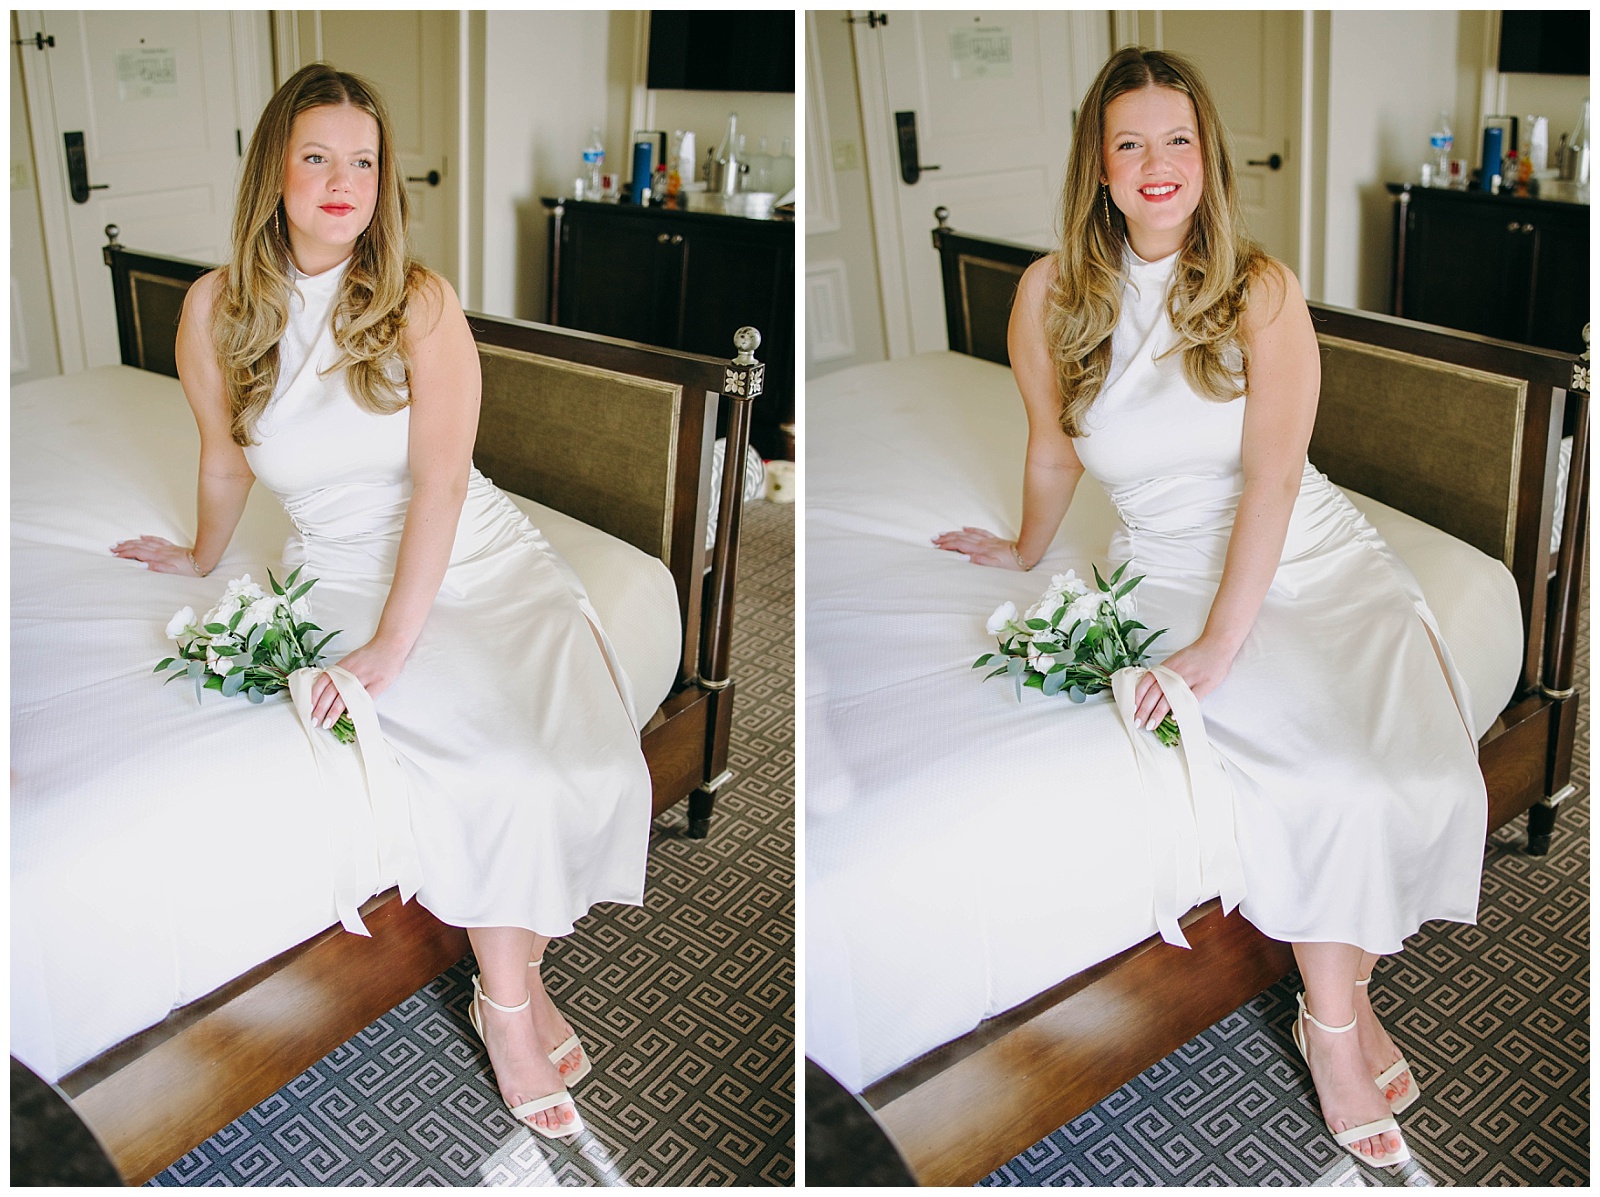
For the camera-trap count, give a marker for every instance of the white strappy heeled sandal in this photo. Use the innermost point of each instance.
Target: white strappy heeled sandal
(1347, 1138)
(528, 1108)
(1398, 1069)
(562, 1049)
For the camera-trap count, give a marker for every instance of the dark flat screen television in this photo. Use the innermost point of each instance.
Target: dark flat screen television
(730, 50)
(1545, 43)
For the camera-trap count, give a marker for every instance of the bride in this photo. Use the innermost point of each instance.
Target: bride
(327, 363)
(1161, 351)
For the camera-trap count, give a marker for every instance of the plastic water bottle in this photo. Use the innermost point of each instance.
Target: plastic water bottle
(1441, 142)
(594, 156)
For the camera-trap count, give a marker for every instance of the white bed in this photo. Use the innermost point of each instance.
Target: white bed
(160, 848)
(965, 852)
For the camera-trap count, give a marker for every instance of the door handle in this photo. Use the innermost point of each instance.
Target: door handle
(78, 169)
(905, 124)
(431, 178)
(1272, 163)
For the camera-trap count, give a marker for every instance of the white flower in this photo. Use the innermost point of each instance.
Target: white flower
(301, 608)
(1069, 583)
(1085, 607)
(1003, 614)
(181, 623)
(1127, 608)
(260, 611)
(1045, 663)
(219, 663)
(242, 588)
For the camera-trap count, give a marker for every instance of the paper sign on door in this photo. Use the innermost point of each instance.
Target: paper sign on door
(982, 53)
(147, 74)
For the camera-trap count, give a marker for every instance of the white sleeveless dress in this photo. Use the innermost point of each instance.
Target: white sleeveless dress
(1359, 808)
(529, 797)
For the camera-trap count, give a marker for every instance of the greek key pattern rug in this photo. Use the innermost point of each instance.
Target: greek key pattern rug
(1494, 1017)
(686, 1004)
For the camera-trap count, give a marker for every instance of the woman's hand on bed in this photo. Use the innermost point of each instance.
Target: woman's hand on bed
(156, 553)
(375, 665)
(979, 547)
(1202, 665)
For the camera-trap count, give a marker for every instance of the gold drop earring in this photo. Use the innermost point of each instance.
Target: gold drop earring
(1105, 205)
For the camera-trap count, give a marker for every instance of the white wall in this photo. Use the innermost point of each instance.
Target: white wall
(761, 114)
(1389, 75)
(546, 79)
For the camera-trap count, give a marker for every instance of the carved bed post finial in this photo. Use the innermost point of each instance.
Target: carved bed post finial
(111, 243)
(942, 215)
(112, 233)
(742, 381)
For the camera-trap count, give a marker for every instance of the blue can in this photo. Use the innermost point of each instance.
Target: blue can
(1493, 143)
(643, 164)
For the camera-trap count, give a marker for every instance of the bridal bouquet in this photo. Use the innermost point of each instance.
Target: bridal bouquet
(250, 643)
(1073, 639)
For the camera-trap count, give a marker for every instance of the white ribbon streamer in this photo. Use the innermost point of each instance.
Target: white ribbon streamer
(1208, 806)
(388, 797)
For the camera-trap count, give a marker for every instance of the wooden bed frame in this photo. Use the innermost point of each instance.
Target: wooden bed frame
(164, 1091)
(964, 1109)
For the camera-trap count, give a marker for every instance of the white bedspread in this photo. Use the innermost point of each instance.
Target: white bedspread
(965, 852)
(159, 848)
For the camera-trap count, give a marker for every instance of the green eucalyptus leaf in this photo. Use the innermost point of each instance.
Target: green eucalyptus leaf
(1054, 683)
(165, 661)
(233, 683)
(1076, 693)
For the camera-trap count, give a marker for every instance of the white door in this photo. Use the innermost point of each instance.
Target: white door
(993, 96)
(154, 99)
(1251, 62)
(411, 58)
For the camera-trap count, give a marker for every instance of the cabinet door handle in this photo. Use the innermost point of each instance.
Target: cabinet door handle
(677, 238)
(1513, 227)
(662, 238)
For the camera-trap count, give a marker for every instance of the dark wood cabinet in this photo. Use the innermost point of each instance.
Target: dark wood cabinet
(681, 280)
(1501, 266)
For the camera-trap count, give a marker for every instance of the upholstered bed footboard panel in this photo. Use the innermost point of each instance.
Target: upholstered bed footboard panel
(1439, 441)
(598, 445)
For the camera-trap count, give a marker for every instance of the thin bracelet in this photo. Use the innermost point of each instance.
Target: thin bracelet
(1017, 556)
(194, 565)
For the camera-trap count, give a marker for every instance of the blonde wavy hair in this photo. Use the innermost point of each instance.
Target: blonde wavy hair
(1215, 266)
(369, 314)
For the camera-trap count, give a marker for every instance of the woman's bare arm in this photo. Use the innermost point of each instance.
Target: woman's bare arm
(225, 476)
(1285, 380)
(1051, 469)
(446, 387)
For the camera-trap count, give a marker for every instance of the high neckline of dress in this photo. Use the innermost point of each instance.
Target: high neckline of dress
(1160, 265)
(331, 274)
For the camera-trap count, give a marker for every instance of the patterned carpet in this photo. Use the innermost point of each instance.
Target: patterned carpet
(685, 1004)
(1494, 1017)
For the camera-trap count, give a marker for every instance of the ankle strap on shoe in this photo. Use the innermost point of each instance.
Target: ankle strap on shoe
(477, 990)
(1312, 1018)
